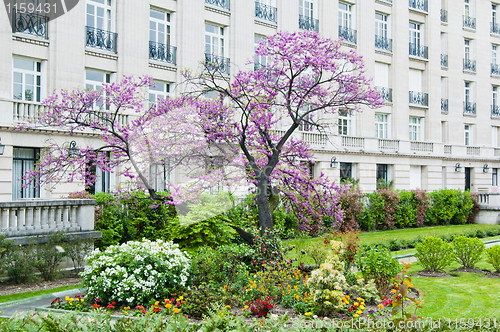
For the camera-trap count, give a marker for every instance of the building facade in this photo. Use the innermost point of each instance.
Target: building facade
(435, 62)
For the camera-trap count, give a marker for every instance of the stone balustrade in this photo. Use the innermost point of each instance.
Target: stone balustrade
(489, 208)
(28, 217)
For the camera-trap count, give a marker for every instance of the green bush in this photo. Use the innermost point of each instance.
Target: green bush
(49, 255)
(468, 251)
(493, 257)
(77, 250)
(434, 254)
(406, 211)
(377, 264)
(20, 263)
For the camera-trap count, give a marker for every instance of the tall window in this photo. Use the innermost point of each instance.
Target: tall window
(159, 27)
(24, 160)
(259, 60)
(158, 91)
(94, 80)
(381, 125)
(467, 134)
(494, 14)
(306, 8)
(494, 54)
(345, 15)
(102, 178)
(467, 93)
(381, 25)
(415, 34)
(467, 8)
(494, 95)
(214, 39)
(382, 173)
(494, 176)
(27, 79)
(345, 124)
(309, 120)
(415, 129)
(100, 14)
(160, 176)
(345, 171)
(467, 54)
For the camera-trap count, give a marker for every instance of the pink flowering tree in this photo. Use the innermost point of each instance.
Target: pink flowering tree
(304, 75)
(173, 132)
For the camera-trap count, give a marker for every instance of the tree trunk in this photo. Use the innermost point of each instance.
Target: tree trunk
(265, 214)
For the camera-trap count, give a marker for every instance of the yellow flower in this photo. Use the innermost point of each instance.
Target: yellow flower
(71, 299)
(407, 282)
(81, 300)
(348, 297)
(168, 306)
(356, 316)
(362, 307)
(359, 312)
(380, 306)
(356, 304)
(359, 277)
(176, 311)
(394, 291)
(126, 308)
(410, 285)
(67, 298)
(360, 299)
(157, 302)
(70, 303)
(245, 307)
(228, 307)
(308, 313)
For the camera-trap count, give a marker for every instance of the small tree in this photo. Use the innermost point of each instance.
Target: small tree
(434, 254)
(306, 75)
(468, 251)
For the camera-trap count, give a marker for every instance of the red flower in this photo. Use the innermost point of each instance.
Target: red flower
(95, 305)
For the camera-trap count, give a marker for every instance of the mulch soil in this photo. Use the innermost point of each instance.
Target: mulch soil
(433, 274)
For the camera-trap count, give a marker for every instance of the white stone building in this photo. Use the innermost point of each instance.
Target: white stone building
(434, 61)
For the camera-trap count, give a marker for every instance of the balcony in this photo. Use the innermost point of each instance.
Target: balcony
(495, 69)
(105, 40)
(469, 108)
(388, 144)
(495, 110)
(30, 23)
(469, 22)
(444, 16)
(219, 3)
(495, 28)
(418, 98)
(215, 63)
(419, 5)
(470, 65)
(308, 23)
(383, 43)
(444, 105)
(353, 142)
(348, 34)
(162, 52)
(422, 146)
(385, 93)
(418, 51)
(473, 151)
(265, 12)
(444, 60)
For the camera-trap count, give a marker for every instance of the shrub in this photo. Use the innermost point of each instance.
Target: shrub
(20, 263)
(377, 264)
(471, 218)
(367, 291)
(49, 256)
(422, 202)
(382, 208)
(77, 250)
(327, 284)
(135, 272)
(317, 250)
(493, 257)
(405, 213)
(434, 254)
(352, 209)
(261, 306)
(468, 251)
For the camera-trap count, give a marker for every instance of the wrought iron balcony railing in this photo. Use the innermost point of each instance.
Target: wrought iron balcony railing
(470, 65)
(385, 93)
(419, 4)
(308, 23)
(265, 12)
(469, 108)
(495, 28)
(30, 23)
(495, 69)
(444, 105)
(102, 39)
(444, 15)
(383, 43)
(444, 60)
(219, 3)
(217, 63)
(469, 22)
(348, 34)
(495, 110)
(419, 98)
(162, 52)
(418, 50)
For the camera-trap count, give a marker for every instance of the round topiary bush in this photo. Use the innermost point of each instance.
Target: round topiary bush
(135, 272)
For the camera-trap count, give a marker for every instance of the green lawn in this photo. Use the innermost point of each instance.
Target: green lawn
(20, 296)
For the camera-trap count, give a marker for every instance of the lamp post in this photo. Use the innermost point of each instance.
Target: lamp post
(485, 168)
(73, 150)
(458, 168)
(334, 162)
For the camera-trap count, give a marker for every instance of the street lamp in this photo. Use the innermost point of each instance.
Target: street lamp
(458, 168)
(334, 162)
(485, 168)
(73, 150)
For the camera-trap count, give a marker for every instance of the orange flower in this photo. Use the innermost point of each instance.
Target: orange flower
(176, 311)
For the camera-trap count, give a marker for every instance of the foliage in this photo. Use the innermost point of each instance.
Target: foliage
(471, 219)
(77, 251)
(434, 254)
(422, 201)
(402, 288)
(261, 306)
(380, 213)
(405, 213)
(5, 248)
(377, 264)
(350, 240)
(352, 208)
(327, 284)
(468, 251)
(449, 206)
(317, 250)
(269, 249)
(493, 257)
(366, 290)
(76, 303)
(19, 263)
(124, 273)
(49, 256)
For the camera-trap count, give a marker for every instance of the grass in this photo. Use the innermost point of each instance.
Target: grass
(20, 296)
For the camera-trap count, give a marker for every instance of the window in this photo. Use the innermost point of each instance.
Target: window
(345, 16)
(27, 79)
(157, 91)
(415, 129)
(382, 173)
(494, 54)
(381, 125)
(493, 14)
(100, 14)
(160, 176)
(94, 81)
(381, 75)
(415, 177)
(308, 123)
(102, 178)
(159, 27)
(494, 176)
(24, 160)
(345, 124)
(467, 8)
(494, 96)
(214, 39)
(381, 25)
(467, 134)
(346, 171)
(415, 35)
(467, 55)
(494, 136)
(444, 94)
(467, 93)
(306, 8)
(259, 60)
